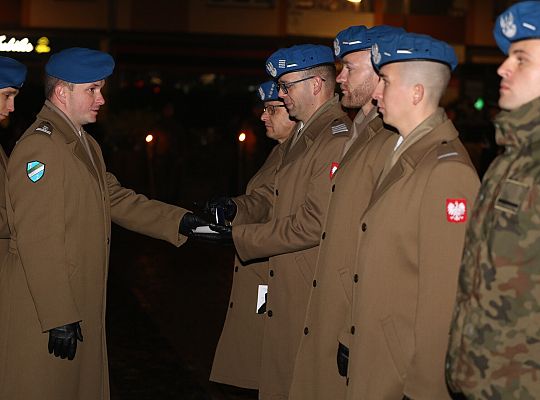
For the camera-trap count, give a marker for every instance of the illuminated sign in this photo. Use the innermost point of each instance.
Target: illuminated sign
(14, 45)
(43, 45)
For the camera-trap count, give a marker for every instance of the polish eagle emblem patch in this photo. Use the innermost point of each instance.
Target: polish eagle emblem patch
(456, 210)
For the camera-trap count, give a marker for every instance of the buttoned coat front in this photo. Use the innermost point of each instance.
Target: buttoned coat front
(56, 269)
(316, 374)
(299, 200)
(407, 263)
(238, 354)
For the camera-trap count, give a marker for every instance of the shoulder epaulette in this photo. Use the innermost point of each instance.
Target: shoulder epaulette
(339, 126)
(44, 127)
(446, 150)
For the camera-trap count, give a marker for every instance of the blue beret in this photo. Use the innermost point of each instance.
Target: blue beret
(357, 38)
(79, 65)
(520, 21)
(298, 58)
(268, 91)
(410, 47)
(12, 73)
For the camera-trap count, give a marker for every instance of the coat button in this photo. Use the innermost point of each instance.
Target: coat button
(277, 192)
(355, 278)
(306, 330)
(314, 283)
(236, 269)
(352, 330)
(230, 304)
(333, 187)
(323, 235)
(347, 382)
(108, 240)
(270, 313)
(364, 227)
(271, 272)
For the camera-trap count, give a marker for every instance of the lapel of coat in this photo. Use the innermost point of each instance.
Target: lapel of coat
(412, 156)
(51, 113)
(3, 158)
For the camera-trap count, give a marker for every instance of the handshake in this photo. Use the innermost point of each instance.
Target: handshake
(212, 224)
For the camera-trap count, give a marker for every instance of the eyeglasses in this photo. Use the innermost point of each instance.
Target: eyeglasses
(285, 86)
(271, 110)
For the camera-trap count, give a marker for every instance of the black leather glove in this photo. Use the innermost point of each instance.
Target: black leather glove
(63, 340)
(222, 209)
(223, 235)
(189, 222)
(342, 359)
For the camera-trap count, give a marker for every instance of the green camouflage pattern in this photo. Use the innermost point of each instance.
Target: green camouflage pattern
(494, 350)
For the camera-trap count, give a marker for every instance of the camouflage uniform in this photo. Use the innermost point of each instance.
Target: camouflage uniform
(494, 350)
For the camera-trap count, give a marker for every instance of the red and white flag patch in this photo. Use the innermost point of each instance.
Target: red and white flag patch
(456, 210)
(333, 169)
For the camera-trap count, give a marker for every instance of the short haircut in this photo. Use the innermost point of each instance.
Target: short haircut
(434, 76)
(327, 72)
(51, 82)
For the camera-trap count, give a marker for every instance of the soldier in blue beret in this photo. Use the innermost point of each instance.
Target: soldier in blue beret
(494, 349)
(12, 76)
(61, 202)
(290, 228)
(238, 354)
(316, 374)
(411, 233)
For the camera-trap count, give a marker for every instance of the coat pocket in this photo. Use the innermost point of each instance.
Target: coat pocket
(304, 269)
(346, 281)
(394, 346)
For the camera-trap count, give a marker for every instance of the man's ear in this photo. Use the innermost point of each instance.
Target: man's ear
(60, 93)
(317, 85)
(418, 93)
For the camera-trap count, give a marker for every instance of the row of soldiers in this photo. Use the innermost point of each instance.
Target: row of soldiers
(364, 225)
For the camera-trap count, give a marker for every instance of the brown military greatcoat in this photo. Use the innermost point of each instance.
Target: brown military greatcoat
(408, 255)
(4, 228)
(300, 198)
(238, 355)
(56, 269)
(315, 371)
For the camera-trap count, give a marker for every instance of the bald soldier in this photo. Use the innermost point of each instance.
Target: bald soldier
(494, 350)
(296, 201)
(238, 355)
(60, 203)
(411, 233)
(12, 76)
(316, 371)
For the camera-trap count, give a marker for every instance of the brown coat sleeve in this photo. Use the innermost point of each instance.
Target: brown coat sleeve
(149, 217)
(302, 229)
(39, 222)
(4, 228)
(440, 247)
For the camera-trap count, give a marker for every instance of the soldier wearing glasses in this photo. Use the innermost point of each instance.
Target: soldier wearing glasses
(238, 355)
(316, 373)
(296, 201)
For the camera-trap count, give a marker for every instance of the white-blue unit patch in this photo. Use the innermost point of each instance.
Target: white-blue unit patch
(35, 170)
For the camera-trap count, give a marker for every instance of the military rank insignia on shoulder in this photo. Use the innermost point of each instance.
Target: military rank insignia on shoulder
(446, 150)
(339, 127)
(45, 127)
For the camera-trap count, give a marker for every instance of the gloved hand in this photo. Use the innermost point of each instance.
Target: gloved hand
(342, 359)
(63, 340)
(222, 209)
(223, 235)
(189, 222)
